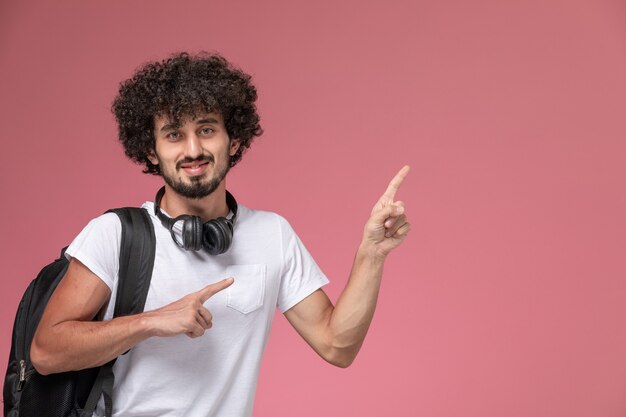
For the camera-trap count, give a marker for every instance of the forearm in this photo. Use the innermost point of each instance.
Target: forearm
(64, 344)
(336, 333)
(74, 345)
(353, 313)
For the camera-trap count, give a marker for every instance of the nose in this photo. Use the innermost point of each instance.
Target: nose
(193, 147)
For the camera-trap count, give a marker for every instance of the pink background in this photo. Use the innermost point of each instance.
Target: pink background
(508, 297)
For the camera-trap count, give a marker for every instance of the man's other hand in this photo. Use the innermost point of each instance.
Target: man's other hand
(387, 226)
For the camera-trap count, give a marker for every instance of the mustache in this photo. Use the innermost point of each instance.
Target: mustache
(202, 159)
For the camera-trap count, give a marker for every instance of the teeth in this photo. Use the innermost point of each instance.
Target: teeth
(195, 166)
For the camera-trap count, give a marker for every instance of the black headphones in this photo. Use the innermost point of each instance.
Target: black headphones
(215, 235)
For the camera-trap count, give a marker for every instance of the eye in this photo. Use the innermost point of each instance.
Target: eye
(173, 136)
(206, 131)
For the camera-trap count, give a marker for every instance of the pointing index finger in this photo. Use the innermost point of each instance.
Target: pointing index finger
(212, 289)
(395, 183)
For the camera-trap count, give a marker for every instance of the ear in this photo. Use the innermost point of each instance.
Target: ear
(234, 147)
(152, 158)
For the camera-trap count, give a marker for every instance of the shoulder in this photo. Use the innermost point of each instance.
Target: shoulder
(99, 228)
(97, 247)
(253, 218)
(107, 220)
(107, 224)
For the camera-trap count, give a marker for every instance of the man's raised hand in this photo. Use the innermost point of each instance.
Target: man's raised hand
(387, 226)
(187, 315)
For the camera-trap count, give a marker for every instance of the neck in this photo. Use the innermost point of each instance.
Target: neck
(207, 208)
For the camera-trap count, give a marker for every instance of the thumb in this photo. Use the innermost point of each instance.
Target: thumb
(212, 289)
(391, 210)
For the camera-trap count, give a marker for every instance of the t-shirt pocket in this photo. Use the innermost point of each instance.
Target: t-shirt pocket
(248, 291)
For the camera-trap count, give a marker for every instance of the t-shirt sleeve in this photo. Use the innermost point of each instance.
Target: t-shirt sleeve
(300, 275)
(97, 247)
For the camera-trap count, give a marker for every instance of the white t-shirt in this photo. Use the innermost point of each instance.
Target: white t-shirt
(215, 374)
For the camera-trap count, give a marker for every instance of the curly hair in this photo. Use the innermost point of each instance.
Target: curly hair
(184, 86)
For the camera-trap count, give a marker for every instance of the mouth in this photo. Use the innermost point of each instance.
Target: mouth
(195, 168)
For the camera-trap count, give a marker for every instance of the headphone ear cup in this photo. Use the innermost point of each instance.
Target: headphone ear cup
(227, 233)
(192, 233)
(218, 236)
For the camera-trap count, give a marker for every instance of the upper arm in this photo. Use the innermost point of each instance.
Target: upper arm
(86, 286)
(311, 318)
(79, 296)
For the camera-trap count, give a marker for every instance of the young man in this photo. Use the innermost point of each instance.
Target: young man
(196, 349)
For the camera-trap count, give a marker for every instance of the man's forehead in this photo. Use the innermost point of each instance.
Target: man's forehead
(161, 120)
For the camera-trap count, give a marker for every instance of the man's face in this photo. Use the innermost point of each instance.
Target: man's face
(194, 156)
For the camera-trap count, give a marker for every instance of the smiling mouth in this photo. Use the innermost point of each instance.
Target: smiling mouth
(195, 168)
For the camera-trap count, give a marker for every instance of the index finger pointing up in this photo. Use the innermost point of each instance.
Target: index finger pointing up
(395, 183)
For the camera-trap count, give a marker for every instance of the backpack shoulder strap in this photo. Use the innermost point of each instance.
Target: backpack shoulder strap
(137, 250)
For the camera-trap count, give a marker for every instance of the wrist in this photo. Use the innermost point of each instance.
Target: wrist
(369, 252)
(143, 326)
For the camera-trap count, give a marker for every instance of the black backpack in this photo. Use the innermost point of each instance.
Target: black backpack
(75, 393)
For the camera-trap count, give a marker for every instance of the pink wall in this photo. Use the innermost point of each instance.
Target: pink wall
(508, 297)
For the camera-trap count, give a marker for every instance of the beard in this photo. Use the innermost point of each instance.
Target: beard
(199, 186)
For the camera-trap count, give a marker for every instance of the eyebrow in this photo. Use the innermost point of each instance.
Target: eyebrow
(173, 126)
(206, 120)
(169, 126)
